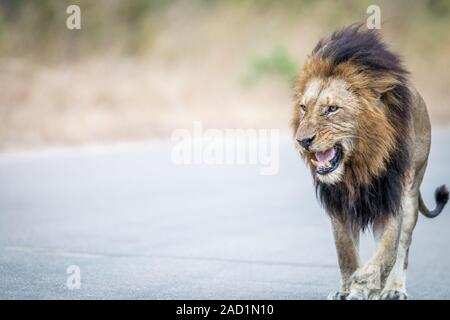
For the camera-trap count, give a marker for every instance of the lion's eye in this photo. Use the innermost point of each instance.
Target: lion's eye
(303, 107)
(331, 109)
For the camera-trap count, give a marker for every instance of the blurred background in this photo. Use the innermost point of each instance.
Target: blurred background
(138, 69)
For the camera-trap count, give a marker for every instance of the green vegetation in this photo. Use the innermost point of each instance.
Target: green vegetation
(36, 28)
(277, 63)
(137, 68)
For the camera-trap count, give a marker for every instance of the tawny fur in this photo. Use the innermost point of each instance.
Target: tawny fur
(384, 130)
(372, 151)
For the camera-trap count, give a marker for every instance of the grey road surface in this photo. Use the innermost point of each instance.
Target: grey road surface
(139, 227)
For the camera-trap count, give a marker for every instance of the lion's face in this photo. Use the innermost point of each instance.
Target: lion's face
(351, 123)
(327, 126)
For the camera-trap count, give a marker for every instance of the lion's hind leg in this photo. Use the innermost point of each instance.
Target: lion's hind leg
(395, 288)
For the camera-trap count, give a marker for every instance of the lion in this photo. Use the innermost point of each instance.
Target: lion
(364, 131)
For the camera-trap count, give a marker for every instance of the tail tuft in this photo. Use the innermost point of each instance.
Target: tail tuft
(441, 195)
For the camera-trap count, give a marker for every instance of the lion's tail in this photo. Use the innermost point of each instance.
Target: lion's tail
(441, 197)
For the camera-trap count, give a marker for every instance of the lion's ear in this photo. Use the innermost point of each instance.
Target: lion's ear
(382, 84)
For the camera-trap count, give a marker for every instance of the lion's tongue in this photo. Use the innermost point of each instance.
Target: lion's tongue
(324, 157)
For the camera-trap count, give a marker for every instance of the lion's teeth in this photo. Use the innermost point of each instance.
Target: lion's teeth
(327, 164)
(314, 162)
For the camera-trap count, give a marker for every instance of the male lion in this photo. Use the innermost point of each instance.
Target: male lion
(365, 133)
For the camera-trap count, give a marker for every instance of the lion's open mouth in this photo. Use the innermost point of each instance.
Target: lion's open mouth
(327, 161)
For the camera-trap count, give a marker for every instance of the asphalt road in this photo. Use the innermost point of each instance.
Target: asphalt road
(139, 227)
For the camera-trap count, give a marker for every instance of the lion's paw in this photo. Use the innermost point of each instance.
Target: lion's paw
(337, 295)
(393, 295)
(358, 295)
(363, 294)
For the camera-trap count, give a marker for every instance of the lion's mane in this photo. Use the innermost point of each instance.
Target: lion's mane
(372, 185)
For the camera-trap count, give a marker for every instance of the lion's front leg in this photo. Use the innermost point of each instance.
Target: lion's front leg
(347, 246)
(368, 281)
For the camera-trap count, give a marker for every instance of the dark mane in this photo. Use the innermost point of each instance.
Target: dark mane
(363, 48)
(382, 196)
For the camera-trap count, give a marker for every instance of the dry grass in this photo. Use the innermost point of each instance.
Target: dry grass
(195, 67)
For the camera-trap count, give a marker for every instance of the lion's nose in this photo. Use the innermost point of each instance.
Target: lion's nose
(306, 143)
